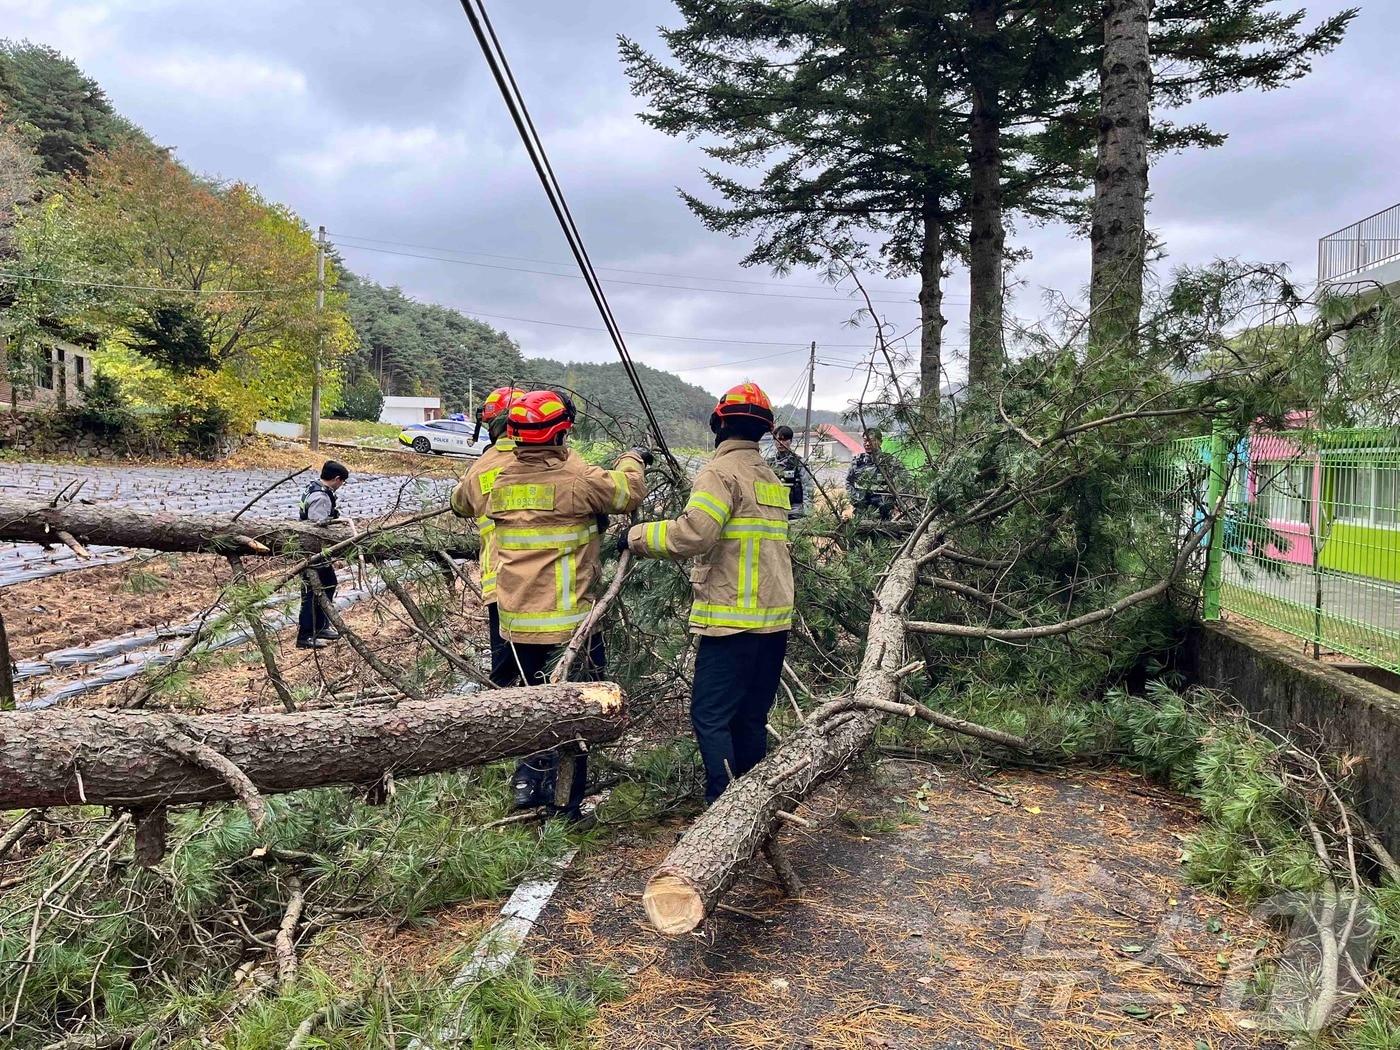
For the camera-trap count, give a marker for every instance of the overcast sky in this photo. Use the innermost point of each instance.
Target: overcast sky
(378, 120)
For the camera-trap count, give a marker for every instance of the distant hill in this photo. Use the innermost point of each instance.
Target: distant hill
(795, 414)
(423, 348)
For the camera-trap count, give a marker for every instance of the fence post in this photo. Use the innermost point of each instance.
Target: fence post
(1210, 586)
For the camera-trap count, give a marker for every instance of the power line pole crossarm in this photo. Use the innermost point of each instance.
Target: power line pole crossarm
(320, 339)
(811, 389)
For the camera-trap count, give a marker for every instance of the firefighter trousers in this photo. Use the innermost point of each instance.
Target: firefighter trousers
(736, 679)
(523, 664)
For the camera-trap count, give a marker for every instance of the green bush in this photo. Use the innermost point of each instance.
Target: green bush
(362, 400)
(104, 409)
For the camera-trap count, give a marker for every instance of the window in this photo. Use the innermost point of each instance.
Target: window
(44, 372)
(1283, 492)
(1388, 496)
(1367, 494)
(80, 371)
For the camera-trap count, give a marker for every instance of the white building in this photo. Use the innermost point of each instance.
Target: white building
(60, 377)
(1362, 258)
(402, 411)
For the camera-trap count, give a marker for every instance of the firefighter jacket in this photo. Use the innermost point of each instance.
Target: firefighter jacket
(735, 526)
(469, 500)
(545, 504)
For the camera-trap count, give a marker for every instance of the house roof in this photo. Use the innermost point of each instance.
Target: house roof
(838, 435)
(395, 401)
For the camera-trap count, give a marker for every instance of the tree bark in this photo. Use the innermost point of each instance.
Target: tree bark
(1118, 235)
(120, 758)
(36, 521)
(931, 319)
(709, 857)
(986, 351)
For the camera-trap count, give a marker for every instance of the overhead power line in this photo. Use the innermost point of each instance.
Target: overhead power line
(510, 93)
(341, 239)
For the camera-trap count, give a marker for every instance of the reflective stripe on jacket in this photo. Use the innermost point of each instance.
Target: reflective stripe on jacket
(735, 526)
(544, 504)
(469, 500)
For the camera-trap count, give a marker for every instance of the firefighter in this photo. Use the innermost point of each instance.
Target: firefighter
(470, 499)
(318, 506)
(735, 528)
(545, 505)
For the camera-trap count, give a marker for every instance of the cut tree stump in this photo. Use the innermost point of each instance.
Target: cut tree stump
(125, 758)
(37, 521)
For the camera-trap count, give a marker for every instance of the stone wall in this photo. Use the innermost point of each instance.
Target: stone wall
(1306, 699)
(40, 434)
(33, 435)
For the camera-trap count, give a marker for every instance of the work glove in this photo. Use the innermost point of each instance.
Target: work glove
(622, 542)
(644, 454)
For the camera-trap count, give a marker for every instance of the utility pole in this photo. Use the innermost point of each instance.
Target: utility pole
(471, 398)
(320, 339)
(811, 389)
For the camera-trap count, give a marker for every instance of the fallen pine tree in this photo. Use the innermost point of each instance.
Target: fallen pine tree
(78, 524)
(147, 760)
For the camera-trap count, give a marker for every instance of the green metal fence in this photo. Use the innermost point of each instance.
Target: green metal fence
(1310, 540)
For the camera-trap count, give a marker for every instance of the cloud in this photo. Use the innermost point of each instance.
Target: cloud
(229, 79)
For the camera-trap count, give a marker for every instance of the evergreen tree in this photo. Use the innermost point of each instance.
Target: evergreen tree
(69, 113)
(848, 108)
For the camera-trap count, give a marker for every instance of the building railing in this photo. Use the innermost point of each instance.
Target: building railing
(1309, 544)
(1359, 247)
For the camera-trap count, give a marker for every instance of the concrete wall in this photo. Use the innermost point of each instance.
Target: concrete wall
(1303, 698)
(277, 428)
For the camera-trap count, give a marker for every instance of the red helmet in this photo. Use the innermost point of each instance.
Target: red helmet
(498, 401)
(538, 416)
(745, 401)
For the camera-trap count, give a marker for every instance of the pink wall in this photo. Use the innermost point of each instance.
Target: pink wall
(1268, 448)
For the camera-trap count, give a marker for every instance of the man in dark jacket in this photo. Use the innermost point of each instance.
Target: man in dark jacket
(788, 466)
(318, 507)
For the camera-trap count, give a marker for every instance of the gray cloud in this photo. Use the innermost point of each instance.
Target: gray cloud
(378, 120)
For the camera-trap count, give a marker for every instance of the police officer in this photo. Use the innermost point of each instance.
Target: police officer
(545, 504)
(318, 505)
(471, 498)
(788, 466)
(735, 530)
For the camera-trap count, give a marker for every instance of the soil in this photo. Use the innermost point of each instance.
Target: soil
(934, 915)
(262, 453)
(92, 605)
(234, 678)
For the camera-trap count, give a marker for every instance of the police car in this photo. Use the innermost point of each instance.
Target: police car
(442, 437)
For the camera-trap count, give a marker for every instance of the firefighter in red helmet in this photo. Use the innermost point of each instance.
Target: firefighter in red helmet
(545, 505)
(470, 499)
(734, 529)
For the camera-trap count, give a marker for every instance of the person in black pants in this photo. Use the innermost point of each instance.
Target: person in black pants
(318, 505)
(736, 679)
(535, 776)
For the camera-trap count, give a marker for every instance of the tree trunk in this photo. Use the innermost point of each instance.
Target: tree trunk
(129, 758)
(709, 857)
(1118, 235)
(986, 352)
(36, 521)
(931, 319)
